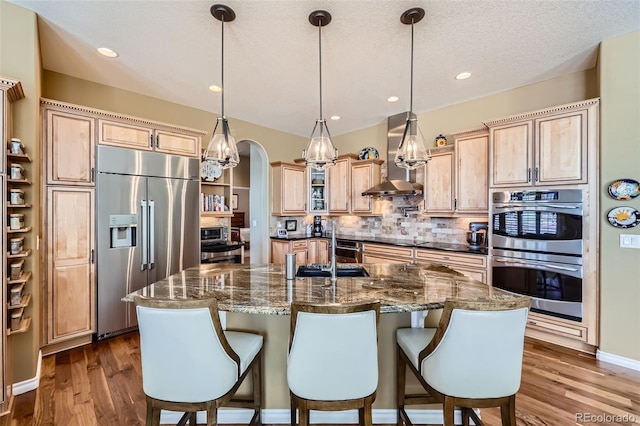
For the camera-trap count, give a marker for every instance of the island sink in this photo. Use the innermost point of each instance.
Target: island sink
(322, 271)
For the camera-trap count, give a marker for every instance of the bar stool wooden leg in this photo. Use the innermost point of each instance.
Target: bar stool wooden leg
(401, 378)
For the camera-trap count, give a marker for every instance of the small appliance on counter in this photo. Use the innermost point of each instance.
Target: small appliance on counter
(477, 235)
(317, 226)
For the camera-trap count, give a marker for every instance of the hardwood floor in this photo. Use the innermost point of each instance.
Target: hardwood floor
(101, 384)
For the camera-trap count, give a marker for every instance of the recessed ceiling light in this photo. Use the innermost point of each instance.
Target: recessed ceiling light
(335, 117)
(393, 99)
(105, 51)
(215, 88)
(463, 75)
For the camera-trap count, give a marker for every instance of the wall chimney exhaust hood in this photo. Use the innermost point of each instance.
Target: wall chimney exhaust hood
(399, 181)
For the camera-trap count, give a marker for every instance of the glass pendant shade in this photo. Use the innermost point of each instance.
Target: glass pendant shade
(411, 152)
(222, 149)
(320, 152)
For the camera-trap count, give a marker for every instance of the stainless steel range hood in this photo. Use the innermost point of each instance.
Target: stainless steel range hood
(399, 181)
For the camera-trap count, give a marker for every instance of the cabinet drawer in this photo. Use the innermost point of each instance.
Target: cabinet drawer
(400, 254)
(299, 245)
(468, 260)
(539, 322)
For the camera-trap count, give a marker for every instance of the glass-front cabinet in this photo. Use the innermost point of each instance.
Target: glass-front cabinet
(317, 191)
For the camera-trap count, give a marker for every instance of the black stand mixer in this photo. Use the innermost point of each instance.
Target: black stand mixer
(477, 235)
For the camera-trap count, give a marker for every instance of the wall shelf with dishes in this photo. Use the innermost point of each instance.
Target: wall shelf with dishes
(216, 190)
(17, 277)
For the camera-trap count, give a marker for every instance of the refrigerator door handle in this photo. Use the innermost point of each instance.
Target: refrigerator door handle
(152, 232)
(144, 239)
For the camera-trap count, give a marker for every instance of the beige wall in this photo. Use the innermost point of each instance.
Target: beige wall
(20, 60)
(279, 145)
(619, 66)
(469, 115)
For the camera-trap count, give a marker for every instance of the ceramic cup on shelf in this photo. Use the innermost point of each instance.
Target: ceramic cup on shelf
(16, 146)
(16, 171)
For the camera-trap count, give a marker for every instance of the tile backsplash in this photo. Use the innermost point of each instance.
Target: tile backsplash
(416, 226)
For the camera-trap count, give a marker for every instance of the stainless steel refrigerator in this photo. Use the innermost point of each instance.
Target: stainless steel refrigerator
(147, 227)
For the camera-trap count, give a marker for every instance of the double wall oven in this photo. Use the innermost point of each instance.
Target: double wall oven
(537, 248)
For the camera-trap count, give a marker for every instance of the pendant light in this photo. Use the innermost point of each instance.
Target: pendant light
(320, 152)
(222, 150)
(411, 152)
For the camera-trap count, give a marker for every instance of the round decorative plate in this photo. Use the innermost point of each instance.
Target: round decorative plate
(210, 172)
(624, 217)
(624, 189)
(368, 153)
(441, 140)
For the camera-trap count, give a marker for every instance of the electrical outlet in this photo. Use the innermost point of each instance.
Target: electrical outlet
(629, 241)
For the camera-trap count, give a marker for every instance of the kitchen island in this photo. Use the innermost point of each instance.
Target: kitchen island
(258, 297)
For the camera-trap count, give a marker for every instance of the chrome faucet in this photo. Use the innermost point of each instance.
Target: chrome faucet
(332, 266)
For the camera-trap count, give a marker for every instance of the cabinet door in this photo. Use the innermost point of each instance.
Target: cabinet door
(288, 189)
(177, 144)
(561, 149)
(278, 250)
(362, 178)
(70, 149)
(438, 188)
(317, 251)
(70, 268)
(510, 154)
(472, 174)
(339, 178)
(125, 135)
(301, 256)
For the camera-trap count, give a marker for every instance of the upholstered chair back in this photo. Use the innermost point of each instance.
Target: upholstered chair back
(333, 352)
(478, 349)
(183, 352)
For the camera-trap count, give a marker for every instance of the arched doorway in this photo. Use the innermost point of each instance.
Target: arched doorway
(258, 199)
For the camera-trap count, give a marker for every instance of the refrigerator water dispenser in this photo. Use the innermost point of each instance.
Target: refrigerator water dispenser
(122, 229)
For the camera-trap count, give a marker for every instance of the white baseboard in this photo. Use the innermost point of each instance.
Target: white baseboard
(282, 416)
(29, 384)
(618, 360)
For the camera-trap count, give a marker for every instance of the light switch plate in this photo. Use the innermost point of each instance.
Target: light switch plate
(629, 241)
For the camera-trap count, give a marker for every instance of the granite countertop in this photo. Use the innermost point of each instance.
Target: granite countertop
(460, 248)
(263, 289)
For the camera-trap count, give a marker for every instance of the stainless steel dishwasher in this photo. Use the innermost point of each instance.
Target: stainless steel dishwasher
(348, 251)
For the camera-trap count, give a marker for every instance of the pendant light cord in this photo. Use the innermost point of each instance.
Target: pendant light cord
(320, 63)
(222, 63)
(411, 95)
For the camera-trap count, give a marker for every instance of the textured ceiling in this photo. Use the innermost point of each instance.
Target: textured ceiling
(171, 50)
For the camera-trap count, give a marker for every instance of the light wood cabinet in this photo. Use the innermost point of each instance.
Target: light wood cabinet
(439, 184)
(70, 148)
(545, 147)
(70, 297)
(456, 178)
(471, 172)
(348, 179)
(471, 265)
(131, 135)
(364, 175)
(279, 248)
(339, 179)
(383, 253)
(288, 189)
(318, 251)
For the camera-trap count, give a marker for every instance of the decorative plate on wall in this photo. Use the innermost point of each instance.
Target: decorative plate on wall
(210, 172)
(624, 217)
(624, 189)
(368, 153)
